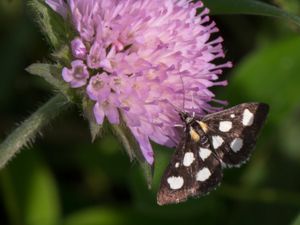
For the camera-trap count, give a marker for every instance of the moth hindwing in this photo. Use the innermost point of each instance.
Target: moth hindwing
(218, 140)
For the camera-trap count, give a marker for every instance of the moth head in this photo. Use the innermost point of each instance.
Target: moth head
(185, 117)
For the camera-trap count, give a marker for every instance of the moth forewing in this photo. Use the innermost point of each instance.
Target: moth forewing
(234, 131)
(193, 170)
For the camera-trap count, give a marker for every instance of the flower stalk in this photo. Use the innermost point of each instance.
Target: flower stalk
(27, 131)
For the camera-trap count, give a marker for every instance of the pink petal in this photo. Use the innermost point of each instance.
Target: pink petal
(99, 113)
(77, 83)
(78, 48)
(112, 114)
(67, 75)
(59, 6)
(145, 145)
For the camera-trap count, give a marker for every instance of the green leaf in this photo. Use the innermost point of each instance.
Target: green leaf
(30, 191)
(289, 133)
(251, 7)
(263, 195)
(50, 73)
(11, 201)
(132, 148)
(97, 216)
(127, 139)
(269, 75)
(10, 8)
(289, 5)
(52, 24)
(297, 220)
(63, 55)
(42, 203)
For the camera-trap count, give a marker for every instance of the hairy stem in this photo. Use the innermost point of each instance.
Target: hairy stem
(28, 130)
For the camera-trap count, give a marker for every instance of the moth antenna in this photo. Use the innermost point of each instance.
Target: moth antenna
(184, 97)
(178, 110)
(179, 125)
(192, 95)
(183, 89)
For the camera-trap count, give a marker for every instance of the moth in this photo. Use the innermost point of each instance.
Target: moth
(209, 144)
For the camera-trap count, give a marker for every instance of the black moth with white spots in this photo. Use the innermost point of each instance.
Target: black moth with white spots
(218, 140)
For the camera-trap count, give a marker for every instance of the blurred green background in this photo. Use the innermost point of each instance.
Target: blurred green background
(63, 179)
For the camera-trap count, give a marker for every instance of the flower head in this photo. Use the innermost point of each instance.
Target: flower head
(140, 60)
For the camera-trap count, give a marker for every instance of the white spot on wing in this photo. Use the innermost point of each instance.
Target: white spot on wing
(217, 141)
(175, 182)
(203, 174)
(177, 164)
(248, 118)
(188, 158)
(236, 144)
(225, 126)
(232, 115)
(204, 153)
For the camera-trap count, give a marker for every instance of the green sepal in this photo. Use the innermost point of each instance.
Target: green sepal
(51, 74)
(63, 55)
(95, 129)
(148, 171)
(55, 28)
(124, 135)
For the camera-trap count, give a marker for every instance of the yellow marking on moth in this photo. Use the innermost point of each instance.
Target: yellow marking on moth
(194, 135)
(203, 126)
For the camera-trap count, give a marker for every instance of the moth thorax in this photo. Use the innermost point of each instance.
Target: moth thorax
(186, 118)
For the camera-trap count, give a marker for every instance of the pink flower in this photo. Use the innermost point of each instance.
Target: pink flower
(59, 6)
(77, 76)
(78, 48)
(147, 58)
(99, 87)
(108, 108)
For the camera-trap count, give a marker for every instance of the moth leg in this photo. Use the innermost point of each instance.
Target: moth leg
(178, 125)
